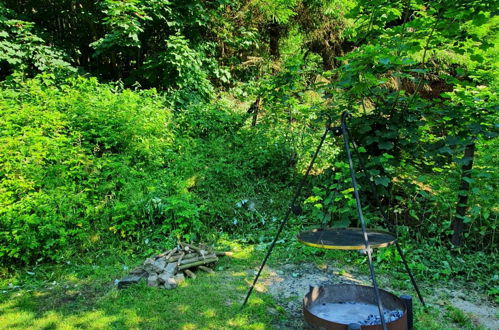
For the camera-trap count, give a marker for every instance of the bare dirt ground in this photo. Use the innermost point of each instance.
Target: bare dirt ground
(480, 311)
(289, 283)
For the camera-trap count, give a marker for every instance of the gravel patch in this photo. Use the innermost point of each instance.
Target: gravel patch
(289, 283)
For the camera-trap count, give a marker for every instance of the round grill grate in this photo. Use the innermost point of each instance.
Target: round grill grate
(345, 238)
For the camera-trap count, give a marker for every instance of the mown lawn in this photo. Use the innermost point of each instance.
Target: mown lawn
(83, 294)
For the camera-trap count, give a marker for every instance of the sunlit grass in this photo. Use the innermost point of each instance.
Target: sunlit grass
(79, 296)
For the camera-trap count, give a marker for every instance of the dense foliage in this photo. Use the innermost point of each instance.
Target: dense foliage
(142, 120)
(81, 159)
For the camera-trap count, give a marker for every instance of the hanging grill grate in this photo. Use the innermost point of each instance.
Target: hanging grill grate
(345, 238)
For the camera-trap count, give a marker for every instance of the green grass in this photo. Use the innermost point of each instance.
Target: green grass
(84, 296)
(458, 316)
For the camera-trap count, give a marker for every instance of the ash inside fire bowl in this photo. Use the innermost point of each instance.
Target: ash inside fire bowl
(353, 312)
(335, 306)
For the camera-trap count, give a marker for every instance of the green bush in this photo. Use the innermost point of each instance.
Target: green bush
(69, 156)
(23, 52)
(82, 160)
(223, 162)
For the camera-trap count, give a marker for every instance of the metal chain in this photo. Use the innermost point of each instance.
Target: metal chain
(361, 218)
(384, 214)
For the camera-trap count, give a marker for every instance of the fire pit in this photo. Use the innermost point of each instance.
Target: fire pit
(337, 306)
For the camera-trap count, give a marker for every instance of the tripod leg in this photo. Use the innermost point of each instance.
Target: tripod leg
(385, 218)
(269, 251)
(288, 213)
(408, 270)
(361, 218)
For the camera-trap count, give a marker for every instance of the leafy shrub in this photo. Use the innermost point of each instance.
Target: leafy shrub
(224, 162)
(24, 52)
(180, 67)
(85, 158)
(68, 155)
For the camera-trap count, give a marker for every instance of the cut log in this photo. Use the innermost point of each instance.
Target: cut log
(189, 261)
(167, 254)
(179, 278)
(192, 247)
(148, 265)
(185, 257)
(189, 274)
(184, 246)
(152, 280)
(131, 279)
(198, 263)
(206, 269)
(163, 277)
(159, 265)
(170, 283)
(180, 259)
(171, 268)
(167, 276)
(137, 271)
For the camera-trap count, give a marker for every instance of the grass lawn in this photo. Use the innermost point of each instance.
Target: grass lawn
(83, 295)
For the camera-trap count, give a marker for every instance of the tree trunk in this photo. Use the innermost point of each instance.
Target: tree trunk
(275, 36)
(464, 187)
(255, 111)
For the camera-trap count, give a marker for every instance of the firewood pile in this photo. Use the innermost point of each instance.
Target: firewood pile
(168, 269)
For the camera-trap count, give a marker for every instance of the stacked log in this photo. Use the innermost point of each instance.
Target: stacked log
(168, 269)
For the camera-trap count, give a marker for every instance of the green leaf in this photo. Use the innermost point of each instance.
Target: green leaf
(384, 61)
(413, 214)
(382, 180)
(385, 145)
(422, 71)
(469, 180)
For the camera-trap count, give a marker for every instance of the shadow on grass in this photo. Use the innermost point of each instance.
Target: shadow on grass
(86, 297)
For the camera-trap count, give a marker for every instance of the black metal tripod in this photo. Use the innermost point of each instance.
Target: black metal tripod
(341, 130)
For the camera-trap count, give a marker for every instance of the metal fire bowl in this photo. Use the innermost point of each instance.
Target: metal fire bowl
(351, 293)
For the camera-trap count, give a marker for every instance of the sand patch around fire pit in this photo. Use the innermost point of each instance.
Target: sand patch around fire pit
(471, 304)
(289, 283)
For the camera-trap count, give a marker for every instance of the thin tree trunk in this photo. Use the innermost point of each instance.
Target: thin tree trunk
(275, 36)
(255, 111)
(464, 187)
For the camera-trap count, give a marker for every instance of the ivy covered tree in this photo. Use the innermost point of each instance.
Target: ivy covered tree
(410, 79)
